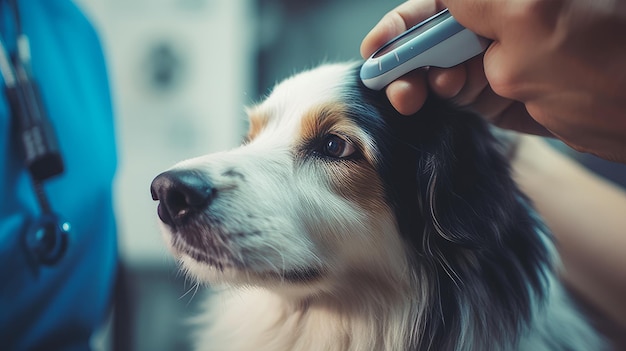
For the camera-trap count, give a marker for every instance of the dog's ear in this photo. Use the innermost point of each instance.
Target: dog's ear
(466, 220)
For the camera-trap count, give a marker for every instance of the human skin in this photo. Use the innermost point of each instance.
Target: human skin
(554, 68)
(586, 215)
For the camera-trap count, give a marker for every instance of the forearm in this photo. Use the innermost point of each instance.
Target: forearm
(588, 218)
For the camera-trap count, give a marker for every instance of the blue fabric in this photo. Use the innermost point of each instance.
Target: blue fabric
(58, 307)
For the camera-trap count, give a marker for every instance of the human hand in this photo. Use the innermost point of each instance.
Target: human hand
(555, 67)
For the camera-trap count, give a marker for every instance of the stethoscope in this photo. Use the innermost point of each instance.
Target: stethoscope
(45, 240)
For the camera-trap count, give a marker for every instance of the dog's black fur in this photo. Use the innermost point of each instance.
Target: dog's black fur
(471, 229)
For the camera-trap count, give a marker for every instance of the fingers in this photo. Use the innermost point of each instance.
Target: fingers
(465, 84)
(448, 82)
(408, 93)
(475, 82)
(397, 21)
(462, 83)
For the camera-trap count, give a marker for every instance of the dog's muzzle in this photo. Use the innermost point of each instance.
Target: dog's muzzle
(182, 194)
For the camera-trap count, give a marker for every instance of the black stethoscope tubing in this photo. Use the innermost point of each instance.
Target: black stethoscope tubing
(45, 240)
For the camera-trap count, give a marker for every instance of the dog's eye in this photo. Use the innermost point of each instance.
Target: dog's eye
(338, 147)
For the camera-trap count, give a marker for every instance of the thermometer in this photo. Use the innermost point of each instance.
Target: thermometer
(439, 41)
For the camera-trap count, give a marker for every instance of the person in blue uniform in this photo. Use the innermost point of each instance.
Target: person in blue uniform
(57, 304)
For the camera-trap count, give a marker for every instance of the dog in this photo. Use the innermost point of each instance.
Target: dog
(340, 224)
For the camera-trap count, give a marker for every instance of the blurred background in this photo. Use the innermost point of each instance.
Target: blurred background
(181, 73)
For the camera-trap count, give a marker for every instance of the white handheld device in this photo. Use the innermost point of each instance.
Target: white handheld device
(439, 41)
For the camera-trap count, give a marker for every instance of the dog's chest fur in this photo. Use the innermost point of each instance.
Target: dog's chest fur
(259, 320)
(255, 319)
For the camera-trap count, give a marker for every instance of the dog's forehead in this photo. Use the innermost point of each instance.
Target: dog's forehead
(313, 86)
(294, 97)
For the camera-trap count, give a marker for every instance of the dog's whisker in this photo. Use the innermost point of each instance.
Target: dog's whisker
(281, 272)
(194, 286)
(195, 291)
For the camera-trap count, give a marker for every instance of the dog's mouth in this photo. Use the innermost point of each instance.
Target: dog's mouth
(225, 259)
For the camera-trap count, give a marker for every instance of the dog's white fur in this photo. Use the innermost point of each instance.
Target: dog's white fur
(275, 215)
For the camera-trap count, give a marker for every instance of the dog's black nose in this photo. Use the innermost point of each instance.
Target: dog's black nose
(181, 193)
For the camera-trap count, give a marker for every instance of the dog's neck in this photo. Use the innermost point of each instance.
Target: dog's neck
(341, 320)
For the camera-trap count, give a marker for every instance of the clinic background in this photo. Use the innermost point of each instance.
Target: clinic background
(181, 72)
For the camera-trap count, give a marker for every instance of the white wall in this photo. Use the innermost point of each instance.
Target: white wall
(180, 71)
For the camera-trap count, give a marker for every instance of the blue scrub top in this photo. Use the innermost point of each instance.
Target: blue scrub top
(59, 306)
